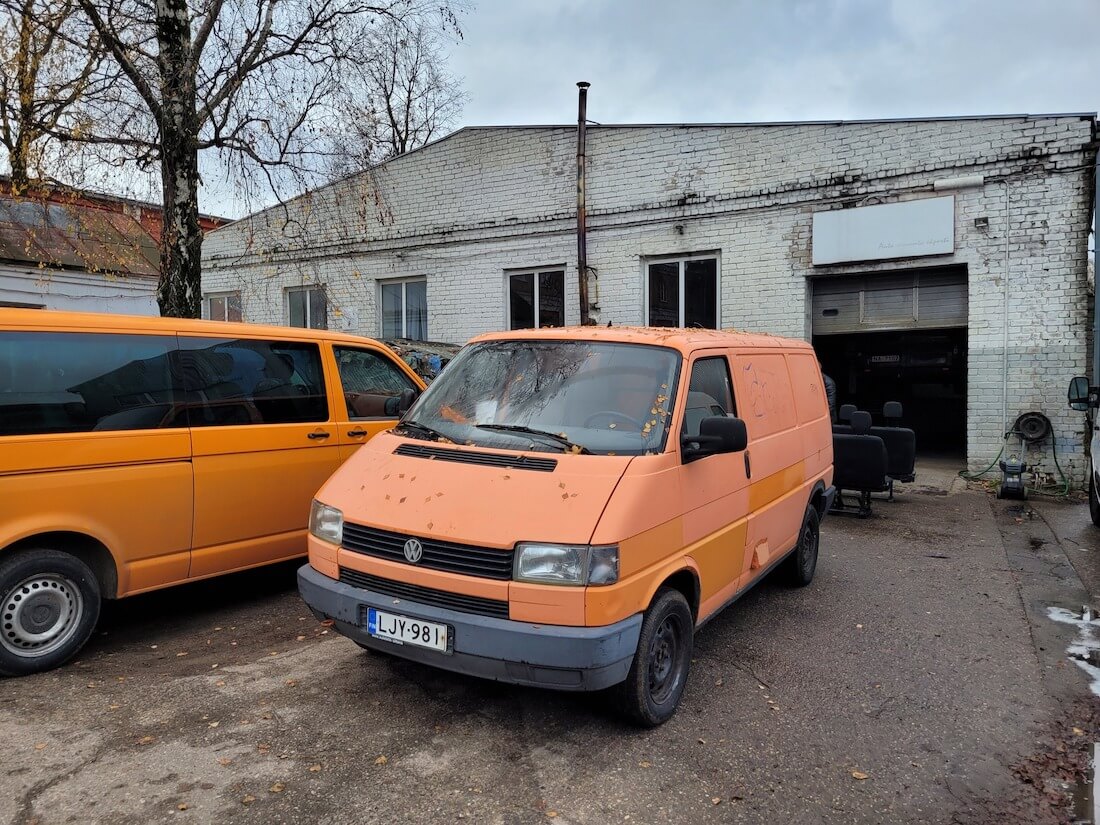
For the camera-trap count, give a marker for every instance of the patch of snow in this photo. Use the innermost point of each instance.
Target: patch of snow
(1086, 644)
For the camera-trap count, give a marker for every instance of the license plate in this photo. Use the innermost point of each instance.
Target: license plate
(404, 630)
(885, 359)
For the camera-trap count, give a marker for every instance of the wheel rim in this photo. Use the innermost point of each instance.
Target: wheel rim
(40, 615)
(665, 666)
(809, 548)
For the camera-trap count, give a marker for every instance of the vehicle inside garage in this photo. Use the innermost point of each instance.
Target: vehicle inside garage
(899, 337)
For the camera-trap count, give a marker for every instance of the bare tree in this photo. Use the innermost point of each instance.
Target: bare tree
(44, 75)
(251, 81)
(400, 96)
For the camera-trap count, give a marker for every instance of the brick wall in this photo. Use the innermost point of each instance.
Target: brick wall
(463, 211)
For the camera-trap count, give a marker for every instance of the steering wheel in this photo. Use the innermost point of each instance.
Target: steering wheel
(614, 414)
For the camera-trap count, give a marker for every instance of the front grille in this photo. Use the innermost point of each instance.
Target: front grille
(466, 559)
(426, 595)
(512, 462)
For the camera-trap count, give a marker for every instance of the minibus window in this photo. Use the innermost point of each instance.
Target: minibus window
(368, 379)
(247, 381)
(59, 382)
(611, 398)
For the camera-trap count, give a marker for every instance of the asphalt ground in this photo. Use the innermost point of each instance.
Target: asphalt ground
(918, 679)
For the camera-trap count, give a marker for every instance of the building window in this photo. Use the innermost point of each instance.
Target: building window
(405, 309)
(222, 306)
(307, 307)
(536, 299)
(682, 292)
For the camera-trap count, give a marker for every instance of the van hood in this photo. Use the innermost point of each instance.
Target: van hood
(423, 491)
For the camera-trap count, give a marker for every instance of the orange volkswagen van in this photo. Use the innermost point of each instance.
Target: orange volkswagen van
(137, 453)
(566, 507)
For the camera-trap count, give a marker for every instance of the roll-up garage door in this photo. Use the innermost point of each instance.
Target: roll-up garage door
(919, 299)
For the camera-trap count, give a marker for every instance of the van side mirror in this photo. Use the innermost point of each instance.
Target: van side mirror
(406, 399)
(717, 434)
(1079, 395)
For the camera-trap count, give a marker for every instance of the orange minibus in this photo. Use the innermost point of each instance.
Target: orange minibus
(137, 453)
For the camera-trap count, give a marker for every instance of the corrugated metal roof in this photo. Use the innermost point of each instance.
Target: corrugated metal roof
(75, 236)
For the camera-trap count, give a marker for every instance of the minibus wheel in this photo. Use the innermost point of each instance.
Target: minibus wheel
(49, 604)
(658, 674)
(802, 562)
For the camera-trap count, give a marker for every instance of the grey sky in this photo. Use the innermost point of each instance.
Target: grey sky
(748, 60)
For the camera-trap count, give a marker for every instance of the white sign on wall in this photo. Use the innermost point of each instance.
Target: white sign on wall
(894, 230)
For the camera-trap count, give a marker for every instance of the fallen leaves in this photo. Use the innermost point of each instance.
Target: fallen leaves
(278, 787)
(147, 740)
(314, 768)
(182, 806)
(859, 776)
(225, 761)
(248, 799)
(381, 760)
(39, 746)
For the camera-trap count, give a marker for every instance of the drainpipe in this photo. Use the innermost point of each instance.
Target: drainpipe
(1004, 345)
(582, 229)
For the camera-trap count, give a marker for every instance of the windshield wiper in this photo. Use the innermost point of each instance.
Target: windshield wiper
(421, 428)
(519, 428)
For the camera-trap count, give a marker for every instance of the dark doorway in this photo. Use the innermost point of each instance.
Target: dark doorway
(923, 369)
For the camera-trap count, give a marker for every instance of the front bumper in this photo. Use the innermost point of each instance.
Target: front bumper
(550, 656)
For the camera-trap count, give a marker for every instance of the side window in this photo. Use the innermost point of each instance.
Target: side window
(709, 393)
(245, 381)
(77, 382)
(371, 382)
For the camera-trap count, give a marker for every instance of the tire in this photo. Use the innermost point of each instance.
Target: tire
(49, 605)
(659, 672)
(1094, 503)
(799, 567)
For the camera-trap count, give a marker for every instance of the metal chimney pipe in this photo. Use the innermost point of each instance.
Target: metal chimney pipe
(582, 228)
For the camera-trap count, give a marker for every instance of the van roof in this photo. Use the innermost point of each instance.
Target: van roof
(63, 320)
(683, 339)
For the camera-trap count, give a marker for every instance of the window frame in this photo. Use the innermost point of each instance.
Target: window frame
(308, 311)
(536, 307)
(226, 296)
(403, 282)
(681, 260)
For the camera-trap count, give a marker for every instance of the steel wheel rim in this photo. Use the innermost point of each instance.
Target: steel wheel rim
(809, 548)
(665, 670)
(40, 614)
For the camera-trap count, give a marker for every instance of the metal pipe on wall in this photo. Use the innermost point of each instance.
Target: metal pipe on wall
(1004, 345)
(582, 228)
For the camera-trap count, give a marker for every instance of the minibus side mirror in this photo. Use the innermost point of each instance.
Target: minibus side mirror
(1079, 395)
(717, 434)
(406, 399)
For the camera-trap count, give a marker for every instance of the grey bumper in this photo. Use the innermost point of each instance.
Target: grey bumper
(550, 656)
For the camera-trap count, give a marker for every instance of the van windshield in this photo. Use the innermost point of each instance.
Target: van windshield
(565, 396)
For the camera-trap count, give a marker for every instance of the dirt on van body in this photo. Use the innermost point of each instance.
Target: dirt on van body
(916, 680)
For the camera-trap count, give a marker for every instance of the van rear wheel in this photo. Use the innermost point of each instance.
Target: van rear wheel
(658, 674)
(800, 565)
(49, 605)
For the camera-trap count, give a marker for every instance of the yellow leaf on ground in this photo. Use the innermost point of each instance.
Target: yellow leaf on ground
(860, 775)
(314, 768)
(381, 760)
(147, 740)
(277, 787)
(248, 799)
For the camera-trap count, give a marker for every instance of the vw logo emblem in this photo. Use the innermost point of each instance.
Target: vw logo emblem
(413, 551)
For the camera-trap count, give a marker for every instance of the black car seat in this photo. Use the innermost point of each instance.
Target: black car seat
(859, 465)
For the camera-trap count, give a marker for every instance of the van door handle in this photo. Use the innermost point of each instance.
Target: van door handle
(356, 433)
(318, 434)
(748, 465)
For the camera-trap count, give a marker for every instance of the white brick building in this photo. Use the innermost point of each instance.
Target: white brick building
(908, 302)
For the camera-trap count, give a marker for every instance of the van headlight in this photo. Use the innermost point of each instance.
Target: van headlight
(569, 564)
(326, 523)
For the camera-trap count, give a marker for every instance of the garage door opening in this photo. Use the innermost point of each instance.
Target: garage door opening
(899, 337)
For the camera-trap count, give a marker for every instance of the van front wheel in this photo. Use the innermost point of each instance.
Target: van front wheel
(49, 604)
(658, 674)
